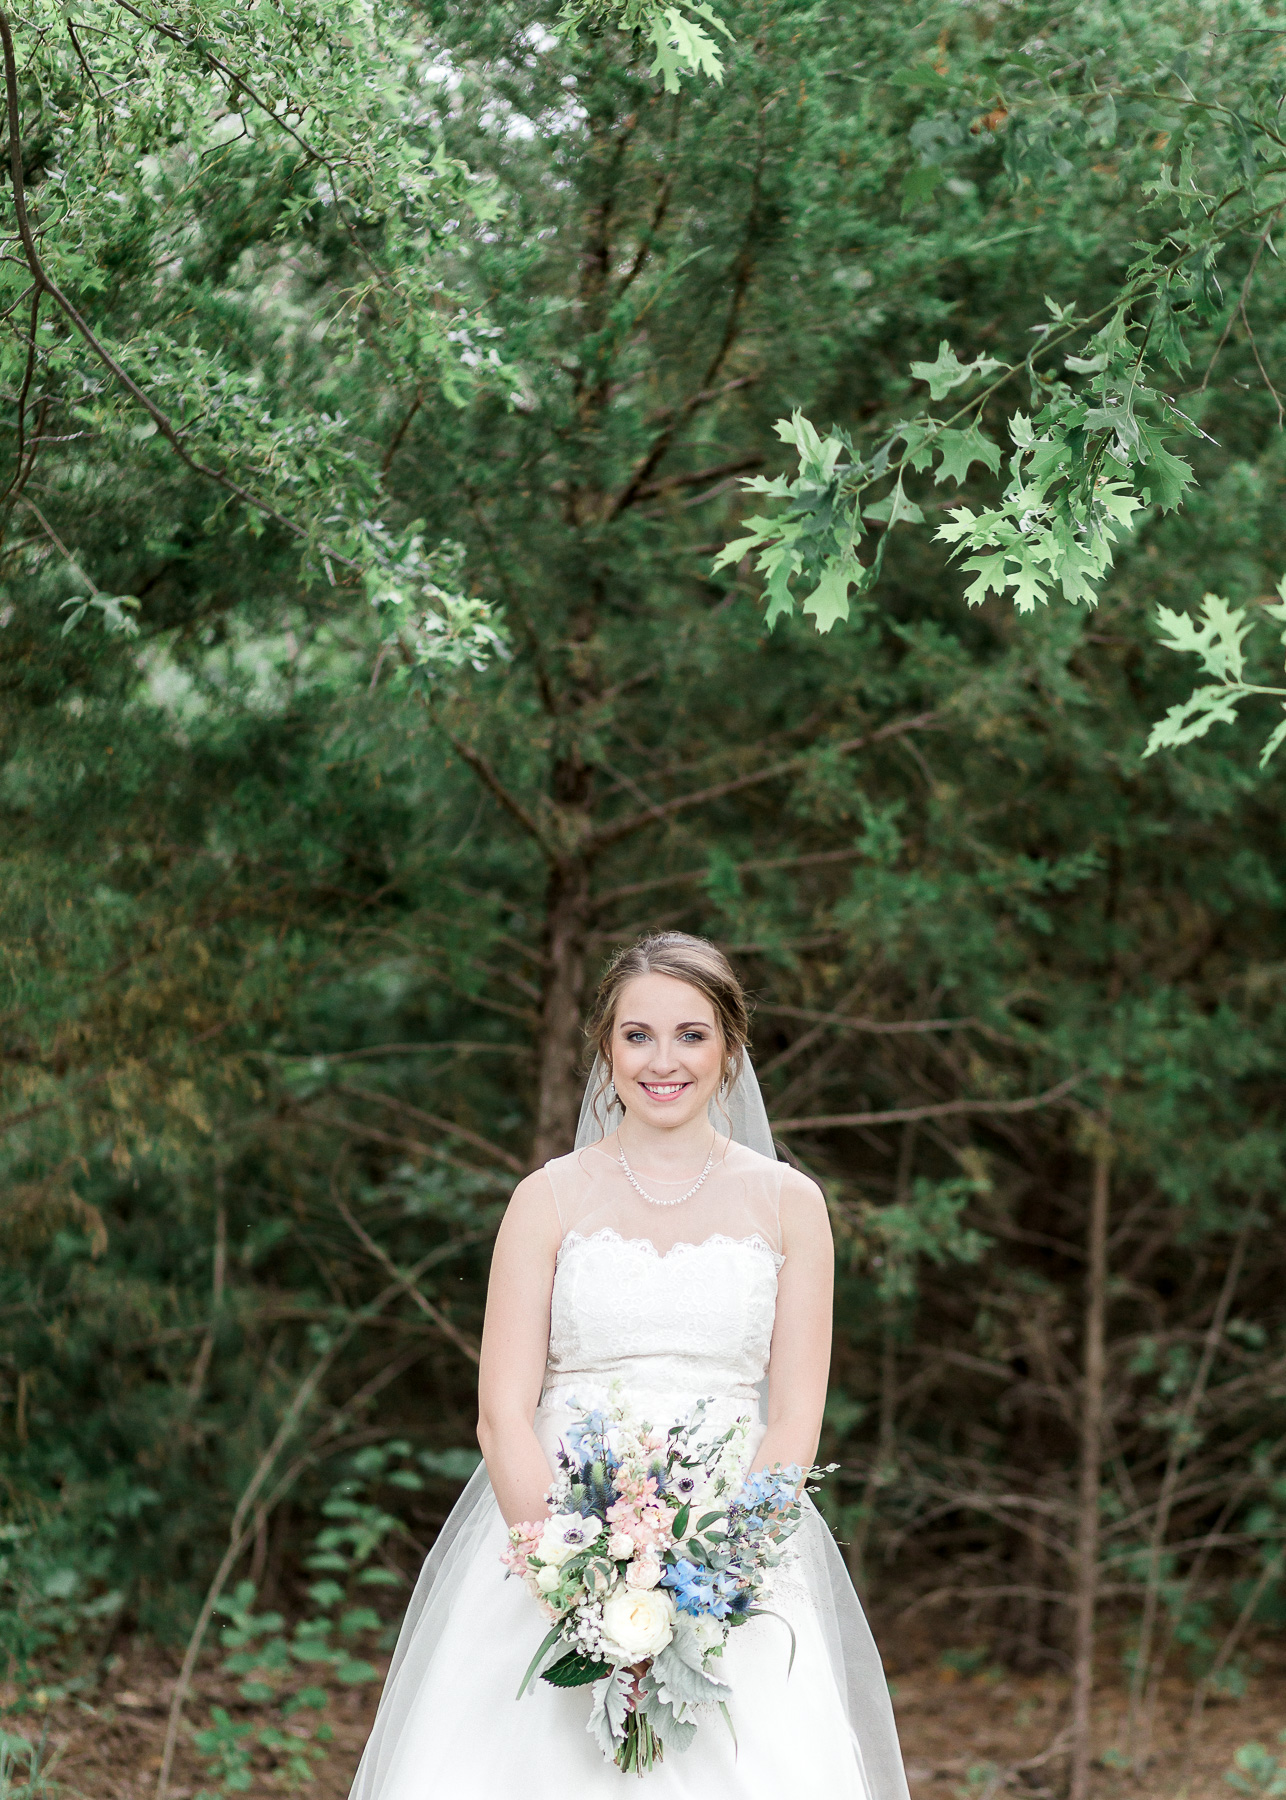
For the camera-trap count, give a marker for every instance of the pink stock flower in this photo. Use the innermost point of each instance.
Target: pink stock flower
(523, 1540)
(640, 1515)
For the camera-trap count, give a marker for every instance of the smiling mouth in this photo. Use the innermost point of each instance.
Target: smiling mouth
(665, 1090)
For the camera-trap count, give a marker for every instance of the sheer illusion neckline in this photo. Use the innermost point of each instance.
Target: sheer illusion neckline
(607, 1234)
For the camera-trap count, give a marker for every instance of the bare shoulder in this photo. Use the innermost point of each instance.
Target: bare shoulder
(531, 1217)
(804, 1218)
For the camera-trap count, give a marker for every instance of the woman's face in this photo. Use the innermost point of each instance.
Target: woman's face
(667, 1051)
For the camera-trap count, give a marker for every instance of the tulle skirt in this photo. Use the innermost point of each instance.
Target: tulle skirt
(449, 1726)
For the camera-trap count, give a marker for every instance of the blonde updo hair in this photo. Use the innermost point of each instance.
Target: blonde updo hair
(690, 959)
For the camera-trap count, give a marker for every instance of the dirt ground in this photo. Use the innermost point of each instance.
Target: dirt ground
(965, 1736)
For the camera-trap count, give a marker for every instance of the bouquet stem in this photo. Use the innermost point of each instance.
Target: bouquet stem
(641, 1749)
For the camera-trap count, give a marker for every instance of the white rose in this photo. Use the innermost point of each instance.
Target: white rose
(564, 1535)
(709, 1633)
(620, 1545)
(643, 1572)
(547, 1580)
(636, 1623)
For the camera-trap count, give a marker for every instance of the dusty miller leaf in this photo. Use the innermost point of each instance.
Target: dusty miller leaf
(680, 1684)
(611, 1710)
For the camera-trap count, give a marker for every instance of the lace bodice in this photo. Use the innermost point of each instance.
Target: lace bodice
(675, 1302)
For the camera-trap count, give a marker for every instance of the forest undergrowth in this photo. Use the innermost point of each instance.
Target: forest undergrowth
(970, 1727)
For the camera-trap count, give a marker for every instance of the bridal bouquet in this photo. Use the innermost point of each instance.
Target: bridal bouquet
(655, 1549)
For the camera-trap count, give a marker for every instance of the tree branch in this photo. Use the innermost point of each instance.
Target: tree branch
(413, 1112)
(946, 1109)
(618, 829)
(874, 1027)
(808, 860)
(406, 1283)
(489, 779)
(669, 482)
(745, 265)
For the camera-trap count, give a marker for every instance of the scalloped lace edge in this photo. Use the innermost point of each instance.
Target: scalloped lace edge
(608, 1234)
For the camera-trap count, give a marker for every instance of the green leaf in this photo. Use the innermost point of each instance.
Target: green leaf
(960, 450)
(1275, 741)
(681, 44)
(894, 508)
(354, 1672)
(947, 371)
(782, 566)
(992, 578)
(1217, 640)
(921, 183)
(734, 551)
(828, 602)
(1030, 587)
(679, 1684)
(574, 1670)
(547, 1642)
(1166, 478)
(1193, 717)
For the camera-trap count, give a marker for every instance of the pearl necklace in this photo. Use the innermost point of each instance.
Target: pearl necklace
(637, 1185)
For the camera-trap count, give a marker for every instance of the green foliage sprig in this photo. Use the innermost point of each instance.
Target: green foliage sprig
(1095, 451)
(318, 120)
(1218, 641)
(676, 33)
(1257, 1771)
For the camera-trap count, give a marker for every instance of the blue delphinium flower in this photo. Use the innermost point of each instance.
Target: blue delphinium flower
(698, 1590)
(773, 1490)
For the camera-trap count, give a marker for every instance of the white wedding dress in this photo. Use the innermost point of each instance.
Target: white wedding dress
(676, 1304)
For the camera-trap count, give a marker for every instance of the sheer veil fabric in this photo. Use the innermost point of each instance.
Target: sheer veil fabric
(673, 1304)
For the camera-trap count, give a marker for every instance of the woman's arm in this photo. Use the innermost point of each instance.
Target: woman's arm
(515, 1344)
(801, 1341)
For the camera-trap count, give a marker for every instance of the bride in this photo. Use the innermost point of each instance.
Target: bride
(683, 1263)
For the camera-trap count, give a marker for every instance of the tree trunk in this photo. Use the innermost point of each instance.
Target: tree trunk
(561, 1046)
(1091, 1457)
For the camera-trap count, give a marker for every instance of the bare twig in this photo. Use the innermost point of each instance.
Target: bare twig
(1093, 1390)
(1145, 1679)
(874, 1027)
(462, 1341)
(616, 830)
(947, 1108)
(495, 1151)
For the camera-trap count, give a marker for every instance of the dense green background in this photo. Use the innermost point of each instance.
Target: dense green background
(294, 940)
